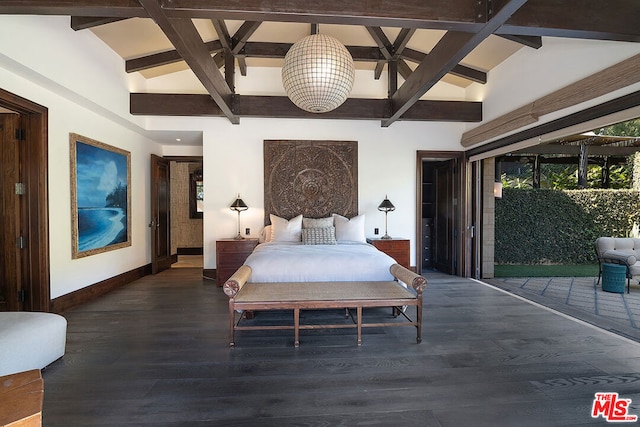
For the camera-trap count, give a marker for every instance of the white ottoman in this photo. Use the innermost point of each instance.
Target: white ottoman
(30, 340)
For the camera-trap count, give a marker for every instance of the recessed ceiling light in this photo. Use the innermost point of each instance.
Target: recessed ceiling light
(178, 139)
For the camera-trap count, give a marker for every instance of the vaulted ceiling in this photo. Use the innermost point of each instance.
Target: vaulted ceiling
(414, 44)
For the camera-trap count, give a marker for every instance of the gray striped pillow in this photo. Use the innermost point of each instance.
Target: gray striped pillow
(319, 236)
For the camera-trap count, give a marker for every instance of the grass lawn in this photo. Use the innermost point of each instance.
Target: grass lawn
(582, 270)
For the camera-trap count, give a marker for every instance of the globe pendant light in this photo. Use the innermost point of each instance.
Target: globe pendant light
(318, 73)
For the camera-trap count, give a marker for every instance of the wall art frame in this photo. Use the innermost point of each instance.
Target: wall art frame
(100, 197)
(312, 178)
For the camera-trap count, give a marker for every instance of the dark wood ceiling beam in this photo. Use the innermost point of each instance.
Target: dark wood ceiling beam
(443, 57)
(443, 14)
(377, 72)
(392, 72)
(401, 41)
(164, 58)
(383, 42)
(447, 53)
(265, 49)
(586, 19)
(242, 35)
(460, 15)
(239, 40)
(88, 8)
(384, 45)
(223, 33)
(591, 19)
(229, 59)
(388, 51)
(86, 22)
(185, 38)
(459, 70)
(250, 49)
(157, 104)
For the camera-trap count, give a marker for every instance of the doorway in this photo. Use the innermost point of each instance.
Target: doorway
(442, 230)
(187, 211)
(24, 239)
(176, 222)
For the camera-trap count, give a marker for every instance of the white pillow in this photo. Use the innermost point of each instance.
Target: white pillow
(349, 230)
(286, 231)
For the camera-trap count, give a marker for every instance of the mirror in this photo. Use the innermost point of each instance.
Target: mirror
(196, 194)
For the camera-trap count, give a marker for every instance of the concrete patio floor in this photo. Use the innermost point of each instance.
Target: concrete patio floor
(582, 298)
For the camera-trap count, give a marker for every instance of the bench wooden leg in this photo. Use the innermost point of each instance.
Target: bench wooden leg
(359, 311)
(419, 322)
(296, 327)
(232, 323)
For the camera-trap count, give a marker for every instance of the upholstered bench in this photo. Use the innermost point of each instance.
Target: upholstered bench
(30, 340)
(298, 296)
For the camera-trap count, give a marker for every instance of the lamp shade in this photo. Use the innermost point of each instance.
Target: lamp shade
(318, 73)
(386, 205)
(239, 205)
(497, 190)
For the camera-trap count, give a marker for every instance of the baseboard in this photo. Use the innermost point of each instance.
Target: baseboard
(91, 292)
(209, 274)
(190, 251)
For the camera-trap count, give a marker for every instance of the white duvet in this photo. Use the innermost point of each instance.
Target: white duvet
(294, 262)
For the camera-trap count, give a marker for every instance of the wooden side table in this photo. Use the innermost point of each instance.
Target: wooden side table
(230, 255)
(396, 248)
(21, 395)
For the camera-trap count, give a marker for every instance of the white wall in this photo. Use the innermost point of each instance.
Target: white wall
(233, 163)
(81, 83)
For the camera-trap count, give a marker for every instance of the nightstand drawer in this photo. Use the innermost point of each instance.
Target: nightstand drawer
(397, 249)
(230, 255)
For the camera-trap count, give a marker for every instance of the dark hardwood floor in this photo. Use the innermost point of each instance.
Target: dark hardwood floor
(155, 353)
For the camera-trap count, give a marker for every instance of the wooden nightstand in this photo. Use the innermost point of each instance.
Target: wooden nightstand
(230, 254)
(397, 249)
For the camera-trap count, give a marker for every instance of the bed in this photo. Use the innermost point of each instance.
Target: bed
(326, 249)
(313, 252)
(313, 230)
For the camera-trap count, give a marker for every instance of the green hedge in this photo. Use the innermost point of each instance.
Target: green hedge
(560, 226)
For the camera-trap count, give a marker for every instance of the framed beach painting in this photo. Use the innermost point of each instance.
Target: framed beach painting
(100, 197)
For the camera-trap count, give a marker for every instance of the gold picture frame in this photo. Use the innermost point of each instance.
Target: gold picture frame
(100, 197)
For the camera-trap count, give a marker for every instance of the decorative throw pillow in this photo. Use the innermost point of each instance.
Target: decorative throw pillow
(285, 231)
(317, 222)
(349, 230)
(319, 236)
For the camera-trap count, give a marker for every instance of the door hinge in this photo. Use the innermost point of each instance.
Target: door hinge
(21, 189)
(21, 134)
(21, 242)
(22, 295)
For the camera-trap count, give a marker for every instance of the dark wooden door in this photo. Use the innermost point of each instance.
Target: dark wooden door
(24, 234)
(11, 287)
(443, 256)
(160, 224)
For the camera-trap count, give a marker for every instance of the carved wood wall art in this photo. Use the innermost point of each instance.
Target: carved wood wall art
(313, 178)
